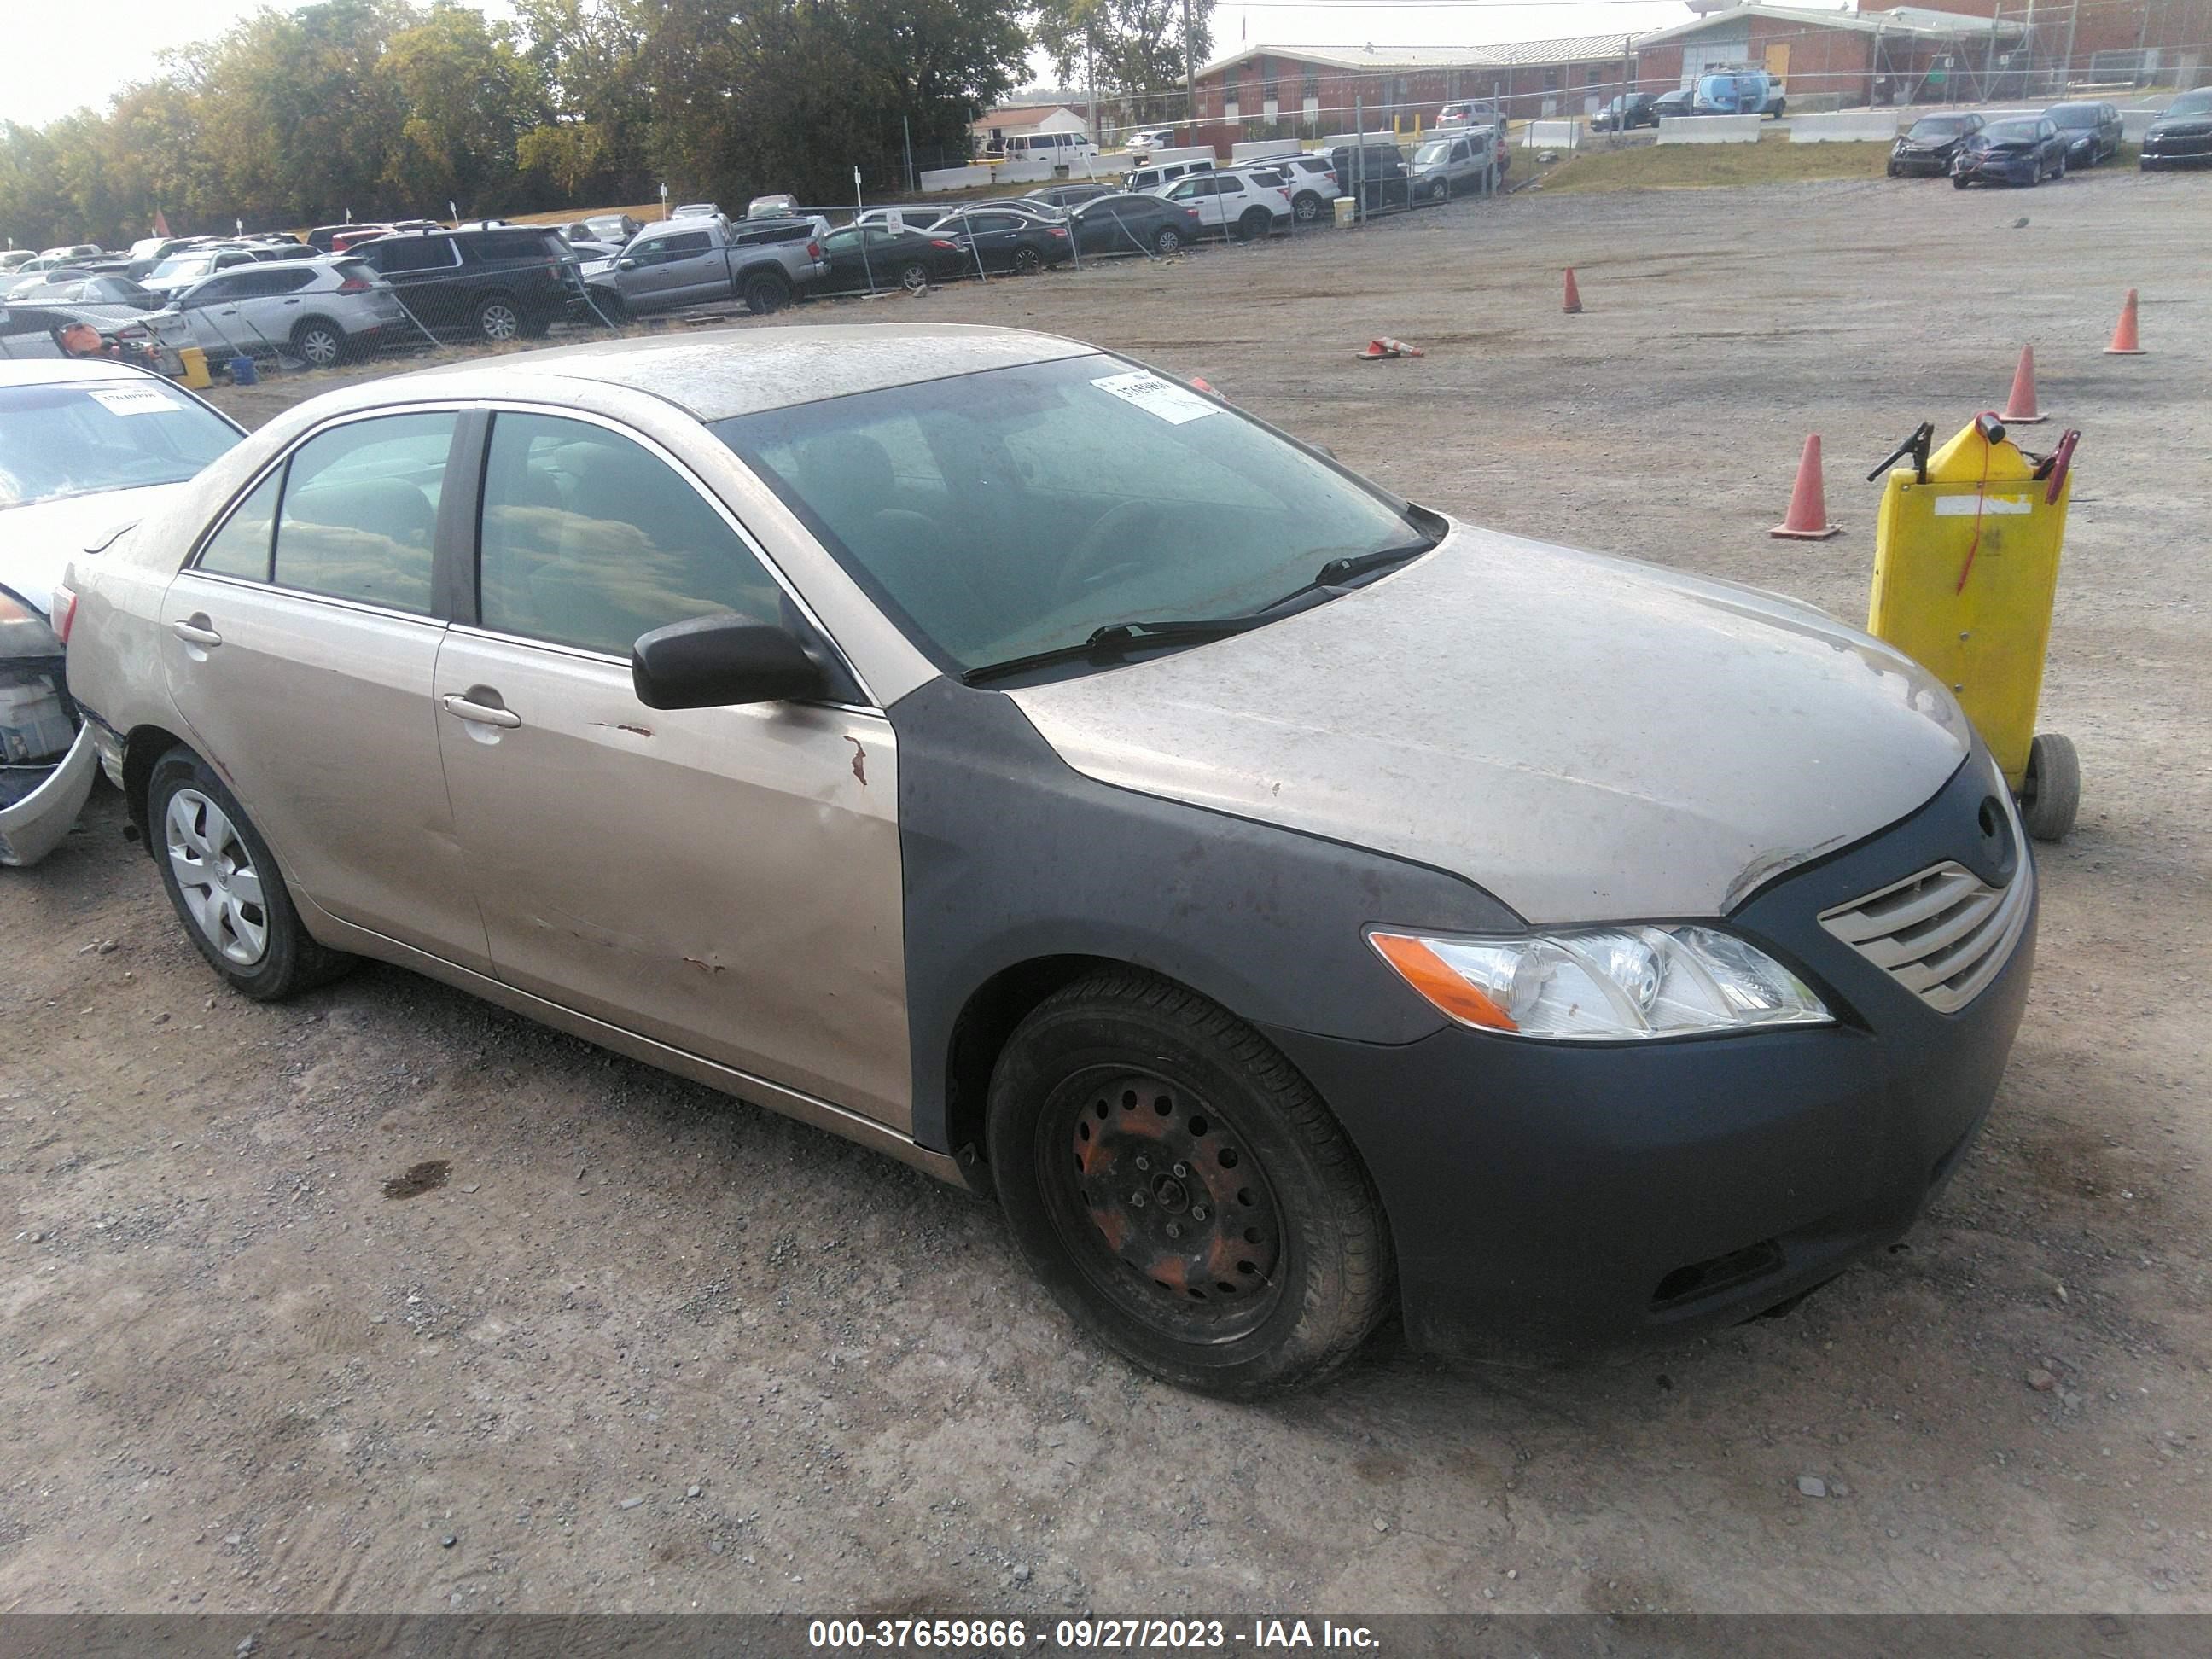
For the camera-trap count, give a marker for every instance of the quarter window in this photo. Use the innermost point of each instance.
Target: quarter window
(588, 539)
(360, 511)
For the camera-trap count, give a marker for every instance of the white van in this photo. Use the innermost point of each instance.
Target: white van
(1145, 181)
(1063, 148)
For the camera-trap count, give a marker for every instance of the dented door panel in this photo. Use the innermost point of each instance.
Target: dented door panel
(726, 880)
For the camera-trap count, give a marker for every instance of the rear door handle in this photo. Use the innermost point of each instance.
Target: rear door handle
(195, 631)
(483, 714)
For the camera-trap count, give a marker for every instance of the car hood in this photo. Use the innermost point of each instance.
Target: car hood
(1588, 739)
(2180, 126)
(40, 539)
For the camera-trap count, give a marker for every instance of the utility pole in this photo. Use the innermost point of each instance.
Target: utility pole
(1190, 69)
(2073, 21)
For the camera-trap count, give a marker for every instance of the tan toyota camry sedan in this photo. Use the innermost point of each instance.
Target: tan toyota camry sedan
(1291, 905)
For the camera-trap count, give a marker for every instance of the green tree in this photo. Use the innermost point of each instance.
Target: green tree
(467, 96)
(1131, 51)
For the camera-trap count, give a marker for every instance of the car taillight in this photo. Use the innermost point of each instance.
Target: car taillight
(63, 617)
(1058, 231)
(353, 285)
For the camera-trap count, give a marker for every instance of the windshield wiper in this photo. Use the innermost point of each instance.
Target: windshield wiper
(1115, 638)
(1337, 572)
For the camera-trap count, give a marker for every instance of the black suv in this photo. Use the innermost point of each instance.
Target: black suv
(1376, 171)
(516, 281)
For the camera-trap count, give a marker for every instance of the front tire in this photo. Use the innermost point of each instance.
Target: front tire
(1439, 191)
(609, 307)
(226, 886)
(1182, 1191)
(1958, 181)
(1255, 224)
(2051, 793)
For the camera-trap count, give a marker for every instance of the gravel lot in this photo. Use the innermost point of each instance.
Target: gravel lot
(621, 1344)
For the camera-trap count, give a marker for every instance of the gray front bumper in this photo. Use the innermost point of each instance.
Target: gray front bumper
(34, 825)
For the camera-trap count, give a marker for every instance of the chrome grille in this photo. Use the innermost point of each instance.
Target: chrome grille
(1942, 934)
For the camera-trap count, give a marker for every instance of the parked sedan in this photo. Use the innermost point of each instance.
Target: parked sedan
(1626, 113)
(2091, 131)
(871, 258)
(2025, 150)
(1135, 224)
(66, 287)
(1669, 106)
(1018, 242)
(86, 450)
(1066, 196)
(1926, 148)
(1138, 844)
(2182, 136)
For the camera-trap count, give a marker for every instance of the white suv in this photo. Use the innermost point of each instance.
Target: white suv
(318, 310)
(1233, 202)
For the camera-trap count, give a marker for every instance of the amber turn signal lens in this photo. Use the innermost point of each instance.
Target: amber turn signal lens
(1435, 979)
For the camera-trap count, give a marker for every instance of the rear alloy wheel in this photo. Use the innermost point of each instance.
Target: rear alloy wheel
(766, 294)
(914, 276)
(1028, 262)
(1168, 241)
(1307, 208)
(226, 886)
(497, 319)
(1182, 1191)
(318, 344)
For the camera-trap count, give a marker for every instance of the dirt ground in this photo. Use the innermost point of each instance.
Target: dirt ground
(629, 1345)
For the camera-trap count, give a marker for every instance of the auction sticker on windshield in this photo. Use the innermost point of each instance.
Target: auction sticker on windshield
(1170, 402)
(135, 400)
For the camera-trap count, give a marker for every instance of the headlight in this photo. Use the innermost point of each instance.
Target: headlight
(23, 631)
(1603, 984)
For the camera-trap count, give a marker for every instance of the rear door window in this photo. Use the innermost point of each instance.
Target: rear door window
(240, 548)
(410, 254)
(360, 511)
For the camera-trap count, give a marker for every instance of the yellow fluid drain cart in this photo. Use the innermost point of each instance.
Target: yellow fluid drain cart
(1965, 572)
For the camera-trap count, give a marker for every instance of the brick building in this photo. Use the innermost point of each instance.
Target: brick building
(1306, 91)
(1903, 54)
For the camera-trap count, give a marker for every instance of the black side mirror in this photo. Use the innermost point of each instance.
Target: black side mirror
(717, 662)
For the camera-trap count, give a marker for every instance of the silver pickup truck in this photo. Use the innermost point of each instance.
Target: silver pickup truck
(681, 262)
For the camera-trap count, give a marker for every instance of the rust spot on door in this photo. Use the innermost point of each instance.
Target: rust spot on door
(859, 762)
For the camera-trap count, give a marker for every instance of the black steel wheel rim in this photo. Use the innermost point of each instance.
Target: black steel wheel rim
(1163, 1205)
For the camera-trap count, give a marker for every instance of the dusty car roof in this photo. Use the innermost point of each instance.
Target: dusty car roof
(741, 371)
(52, 371)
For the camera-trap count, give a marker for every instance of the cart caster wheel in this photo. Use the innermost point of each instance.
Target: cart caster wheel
(2050, 795)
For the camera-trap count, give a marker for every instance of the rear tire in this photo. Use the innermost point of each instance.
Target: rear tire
(498, 319)
(1170, 241)
(319, 343)
(1253, 1258)
(766, 293)
(1028, 262)
(1307, 208)
(225, 884)
(2050, 795)
(914, 276)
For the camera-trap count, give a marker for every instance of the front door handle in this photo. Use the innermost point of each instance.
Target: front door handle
(482, 714)
(194, 631)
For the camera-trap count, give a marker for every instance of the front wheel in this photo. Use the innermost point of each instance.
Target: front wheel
(1958, 181)
(914, 276)
(1255, 224)
(1182, 1191)
(226, 887)
(609, 305)
(1439, 191)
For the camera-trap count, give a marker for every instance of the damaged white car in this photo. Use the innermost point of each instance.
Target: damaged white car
(86, 449)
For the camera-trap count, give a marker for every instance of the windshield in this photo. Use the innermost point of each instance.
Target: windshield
(2009, 132)
(195, 265)
(2075, 115)
(82, 438)
(1941, 126)
(1433, 152)
(1018, 510)
(2192, 103)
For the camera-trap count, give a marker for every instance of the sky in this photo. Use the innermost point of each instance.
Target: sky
(55, 62)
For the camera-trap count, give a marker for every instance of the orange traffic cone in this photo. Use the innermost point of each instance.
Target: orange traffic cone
(1384, 346)
(1574, 305)
(2124, 343)
(2020, 409)
(1809, 502)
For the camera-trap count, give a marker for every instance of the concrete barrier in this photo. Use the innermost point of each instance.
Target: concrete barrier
(938, 179)
(1344, 140)
(1710, 129)
(1857, 127)
(1263, 149)
(1552, 135)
